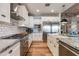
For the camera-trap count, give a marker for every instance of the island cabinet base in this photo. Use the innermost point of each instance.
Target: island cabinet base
(63, 51)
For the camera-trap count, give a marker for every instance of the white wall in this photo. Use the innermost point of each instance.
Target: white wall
(9, 29)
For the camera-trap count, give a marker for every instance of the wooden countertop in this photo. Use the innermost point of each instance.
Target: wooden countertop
(23, 33)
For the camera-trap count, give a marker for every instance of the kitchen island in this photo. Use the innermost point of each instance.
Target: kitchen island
(55, 41)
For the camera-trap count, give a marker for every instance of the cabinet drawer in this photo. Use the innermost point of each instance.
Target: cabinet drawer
(13, 51)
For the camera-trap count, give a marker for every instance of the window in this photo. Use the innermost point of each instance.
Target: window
(47, 28)
(53, 28)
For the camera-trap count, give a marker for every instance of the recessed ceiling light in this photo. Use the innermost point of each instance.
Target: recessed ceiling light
(52, 10)
(77, 16)
(37, 10)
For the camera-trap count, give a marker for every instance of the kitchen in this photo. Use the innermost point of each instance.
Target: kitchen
(39, 29)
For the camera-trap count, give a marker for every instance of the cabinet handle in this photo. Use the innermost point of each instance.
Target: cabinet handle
(10, 51)
(3, 15)
(50, 41)
(54, 45)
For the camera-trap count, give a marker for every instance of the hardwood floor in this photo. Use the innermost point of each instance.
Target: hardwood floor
(39, 49)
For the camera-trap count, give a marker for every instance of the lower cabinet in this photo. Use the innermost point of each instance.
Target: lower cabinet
(13, 51)
(23, 47)
(20, 48)
(53, 46)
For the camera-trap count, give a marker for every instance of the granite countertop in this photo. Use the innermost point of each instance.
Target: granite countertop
(21, 33)
(7, 43)
(72, 44)
(70, 48)
(71, 41)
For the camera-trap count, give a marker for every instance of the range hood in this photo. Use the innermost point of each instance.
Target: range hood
(16, 17)
(14, 12)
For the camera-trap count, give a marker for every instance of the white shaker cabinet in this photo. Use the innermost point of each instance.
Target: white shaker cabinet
(53, 45)
(13, 51)
(5, 12)
(51, 18)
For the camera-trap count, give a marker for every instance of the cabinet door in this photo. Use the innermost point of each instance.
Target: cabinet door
(16, 51)
(13, 51)
(24, 47)
(50, 44)
(55, 50)
(53, 45)
(5, 12)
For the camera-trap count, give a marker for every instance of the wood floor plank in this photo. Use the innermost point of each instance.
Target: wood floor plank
(39, 48)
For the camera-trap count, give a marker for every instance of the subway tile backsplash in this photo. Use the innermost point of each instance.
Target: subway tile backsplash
(9, 29)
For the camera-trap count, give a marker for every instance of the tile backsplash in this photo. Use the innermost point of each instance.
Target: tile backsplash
(9, 29)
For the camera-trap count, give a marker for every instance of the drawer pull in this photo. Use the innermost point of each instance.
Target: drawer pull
(54, 45)
(3, 15)
(50, 41)
(10, 51)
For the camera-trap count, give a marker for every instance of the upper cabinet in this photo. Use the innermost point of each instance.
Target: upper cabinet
(51, 18)
(5, 12)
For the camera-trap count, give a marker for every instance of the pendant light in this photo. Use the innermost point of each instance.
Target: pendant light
(64, 20)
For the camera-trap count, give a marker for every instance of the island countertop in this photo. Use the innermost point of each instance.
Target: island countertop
(71, 41)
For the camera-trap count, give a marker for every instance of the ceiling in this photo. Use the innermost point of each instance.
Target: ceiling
(40, 8)
(74, 9)
(43, 10)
